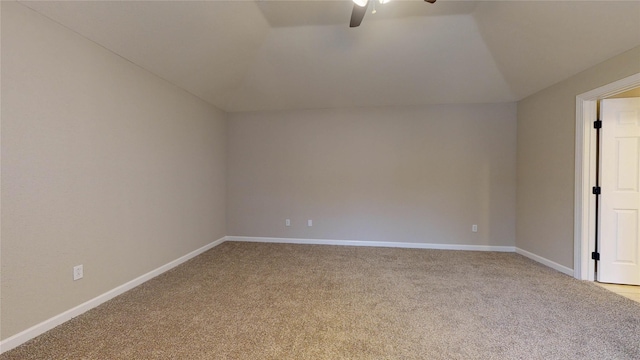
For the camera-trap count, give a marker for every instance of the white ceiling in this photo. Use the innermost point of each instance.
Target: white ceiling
(270, 55)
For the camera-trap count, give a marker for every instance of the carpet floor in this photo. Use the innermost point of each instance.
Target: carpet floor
(277, 301)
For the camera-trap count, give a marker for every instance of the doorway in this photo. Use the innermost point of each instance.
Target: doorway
(585, 173)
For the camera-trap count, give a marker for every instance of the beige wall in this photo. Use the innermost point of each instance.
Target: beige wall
(103, 164)
(546, 152)
(385, 174)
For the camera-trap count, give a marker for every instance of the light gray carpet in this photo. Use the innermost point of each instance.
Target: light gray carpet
(274, 301)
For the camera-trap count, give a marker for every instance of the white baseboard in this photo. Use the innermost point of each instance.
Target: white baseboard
(554, 265)
(30, 333)
(372, 243)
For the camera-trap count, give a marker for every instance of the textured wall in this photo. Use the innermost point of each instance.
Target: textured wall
(546, 159)
(384, 174)
(103, 164)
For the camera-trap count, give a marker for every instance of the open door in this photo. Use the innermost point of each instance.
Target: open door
(620, 192)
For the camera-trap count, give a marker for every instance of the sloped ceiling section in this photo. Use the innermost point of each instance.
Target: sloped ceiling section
(272, 55)
(538, 43)
(204, 47)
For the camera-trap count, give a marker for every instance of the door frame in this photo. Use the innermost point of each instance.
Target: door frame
(585, 158)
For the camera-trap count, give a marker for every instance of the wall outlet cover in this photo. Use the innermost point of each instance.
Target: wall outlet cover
(78, 272)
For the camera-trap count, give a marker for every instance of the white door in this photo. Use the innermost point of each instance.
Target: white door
(620, 199)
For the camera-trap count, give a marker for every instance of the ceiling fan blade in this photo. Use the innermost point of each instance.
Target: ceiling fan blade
(430, 1)
(358, 14)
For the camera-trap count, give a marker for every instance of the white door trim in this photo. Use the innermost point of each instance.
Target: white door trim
(584, 207)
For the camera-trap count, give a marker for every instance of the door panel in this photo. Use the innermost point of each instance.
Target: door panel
(620, 199)
(626, 227)
(627, 164)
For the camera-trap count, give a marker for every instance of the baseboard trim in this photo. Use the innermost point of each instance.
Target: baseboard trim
(30, 333)
(554, 265)
(372, 243)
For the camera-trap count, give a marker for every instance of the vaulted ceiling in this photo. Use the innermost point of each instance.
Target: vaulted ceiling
(268, 55)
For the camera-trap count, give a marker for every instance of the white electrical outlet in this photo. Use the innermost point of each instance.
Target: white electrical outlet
(287, 222)
(309, 222)
(78, 272)
(474, 228)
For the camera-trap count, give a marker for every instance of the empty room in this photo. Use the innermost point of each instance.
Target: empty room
(365, 179)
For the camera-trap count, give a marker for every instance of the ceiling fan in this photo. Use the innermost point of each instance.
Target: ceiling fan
(360, 8)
